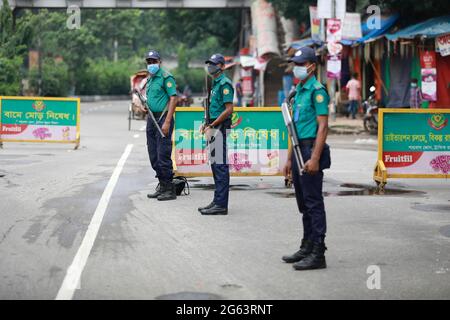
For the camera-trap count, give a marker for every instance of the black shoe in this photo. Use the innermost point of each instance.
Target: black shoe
(168, 191)
(305, 250)
(209, 206)
(157, 192)
(214, 210)
(315, 260)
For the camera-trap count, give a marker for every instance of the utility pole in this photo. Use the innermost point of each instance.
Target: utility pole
(333, 80)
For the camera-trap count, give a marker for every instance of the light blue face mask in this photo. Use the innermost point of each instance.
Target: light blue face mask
(301, 72)
(153, 68)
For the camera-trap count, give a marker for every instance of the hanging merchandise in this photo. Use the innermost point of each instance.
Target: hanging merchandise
(429, 75)
(334, 66)
(443, 45)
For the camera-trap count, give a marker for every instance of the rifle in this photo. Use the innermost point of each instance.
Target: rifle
(207, 118)
(286, 108)
(152, 117)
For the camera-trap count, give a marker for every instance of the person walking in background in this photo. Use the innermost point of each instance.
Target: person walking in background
(415, 92)
(239, 93)
(353, 88)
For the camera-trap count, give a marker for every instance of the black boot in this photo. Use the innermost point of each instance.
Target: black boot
(315, 260)
(209, 206)
(305, 250)
(215, 210)
(157, 192)
(168, 191)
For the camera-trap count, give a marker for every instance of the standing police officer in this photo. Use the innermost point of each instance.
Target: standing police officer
(220, 110)
(310, 114)
(161, 101)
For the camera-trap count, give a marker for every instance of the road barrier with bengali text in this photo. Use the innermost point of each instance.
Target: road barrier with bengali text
(413, 143)
(257, 142)
(39, 119)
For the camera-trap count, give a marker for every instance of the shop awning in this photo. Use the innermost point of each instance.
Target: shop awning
(304, 43)
(431, 28)
(370, 34)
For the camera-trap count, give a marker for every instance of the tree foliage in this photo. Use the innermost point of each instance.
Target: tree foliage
(411, 11)
(110, 45)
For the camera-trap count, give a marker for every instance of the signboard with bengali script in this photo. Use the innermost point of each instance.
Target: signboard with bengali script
(37, 119)
(257, 142)
(415, 143)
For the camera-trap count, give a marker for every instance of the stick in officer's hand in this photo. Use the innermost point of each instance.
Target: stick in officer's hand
(285, 109)
(144, 102)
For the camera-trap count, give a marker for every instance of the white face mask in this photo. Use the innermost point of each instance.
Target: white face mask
(301, 72)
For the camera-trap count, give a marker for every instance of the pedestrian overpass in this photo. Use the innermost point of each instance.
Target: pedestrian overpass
(144, 4)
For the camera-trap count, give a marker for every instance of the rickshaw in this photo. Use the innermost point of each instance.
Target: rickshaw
(136, 107)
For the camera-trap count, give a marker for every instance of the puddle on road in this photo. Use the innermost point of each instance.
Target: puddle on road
(357, 190)
(190, 296)
(431, 207)
(258, 186)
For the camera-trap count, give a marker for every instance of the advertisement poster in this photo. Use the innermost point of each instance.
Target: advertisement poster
(334, 66)
(351, 30)
(257, 142)
(39, 119)
(315, 24)
(443, 45)
(429, 84)
(428, 75)
(416, 143)
(334, 30)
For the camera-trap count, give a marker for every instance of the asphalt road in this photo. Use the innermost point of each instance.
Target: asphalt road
(51, 195)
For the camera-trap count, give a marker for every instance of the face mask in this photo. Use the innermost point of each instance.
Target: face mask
(301, 72)
(413, 85)
(153, 68)
(213, 69)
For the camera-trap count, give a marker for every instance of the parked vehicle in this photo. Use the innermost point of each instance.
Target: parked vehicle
(137, 82)
(371, 113)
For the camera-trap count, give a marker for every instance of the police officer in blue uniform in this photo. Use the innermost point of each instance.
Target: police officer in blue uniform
(220, 111)
(161, 101)
(310, 114)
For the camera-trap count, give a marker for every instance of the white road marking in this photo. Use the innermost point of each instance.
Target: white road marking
(136, 136)
(73, 275)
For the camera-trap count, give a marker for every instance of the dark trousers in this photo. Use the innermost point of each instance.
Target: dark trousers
(160, 150)
(308, 192)
(219, 166)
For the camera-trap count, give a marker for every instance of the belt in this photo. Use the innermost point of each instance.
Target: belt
(307, 142)
(157, 114)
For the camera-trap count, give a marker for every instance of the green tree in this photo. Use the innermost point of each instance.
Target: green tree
(12, 52)
(55, 78)
(410, 11)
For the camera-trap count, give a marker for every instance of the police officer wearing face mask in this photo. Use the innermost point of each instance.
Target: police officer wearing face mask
(220, 110)
(161, 100)
(310, 114)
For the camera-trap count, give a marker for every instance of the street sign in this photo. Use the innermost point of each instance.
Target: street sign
(257, 142)
(38, 119)
(413, 143)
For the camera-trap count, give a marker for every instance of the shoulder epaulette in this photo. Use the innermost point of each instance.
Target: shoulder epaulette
(225, 80)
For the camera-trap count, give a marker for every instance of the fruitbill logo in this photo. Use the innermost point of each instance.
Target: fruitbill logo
(438, 121)
(38, 105)
(235, 120)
